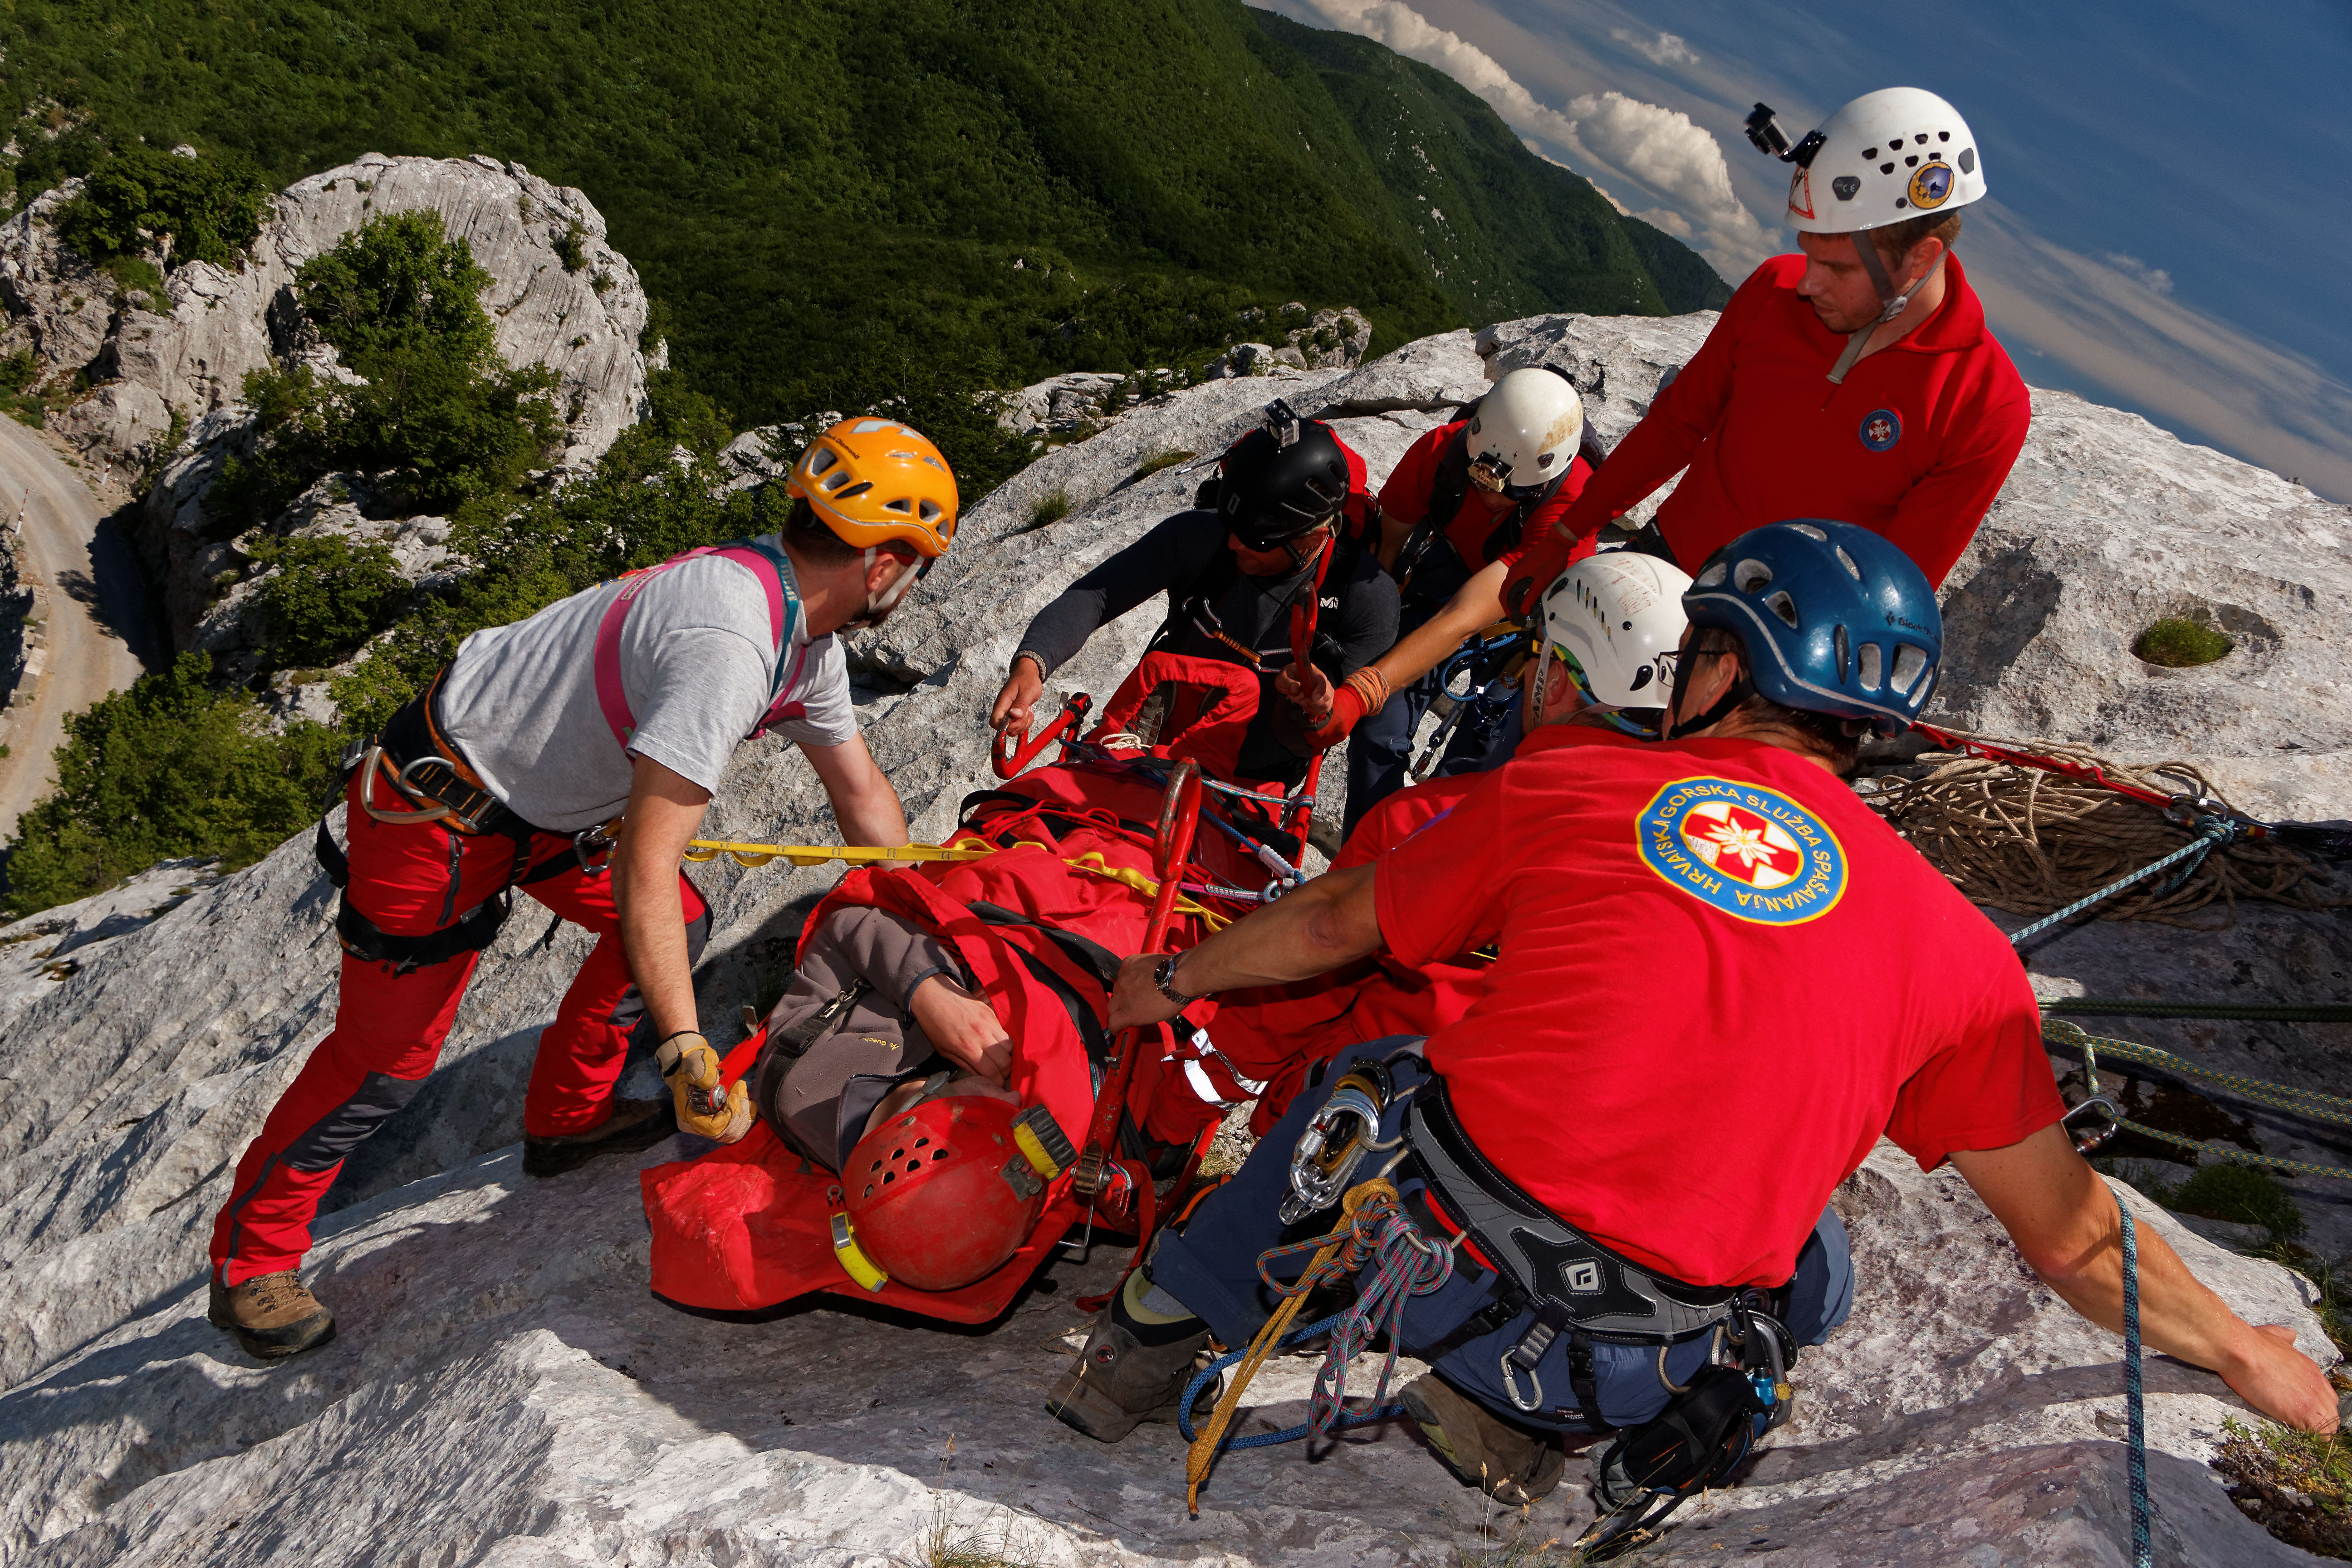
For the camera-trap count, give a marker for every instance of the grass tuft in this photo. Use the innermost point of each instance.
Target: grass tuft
(2295, 1485)
(2179, 643)
(1159, 460)
(1050, 508)
(1002, 1539)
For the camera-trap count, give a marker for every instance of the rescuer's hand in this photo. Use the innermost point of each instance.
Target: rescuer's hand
(706, 1108)
(2281, 1382)
(1365, 693)
(1016, 703)
(1136, 1001)
(1312, 690)
(963, 1028)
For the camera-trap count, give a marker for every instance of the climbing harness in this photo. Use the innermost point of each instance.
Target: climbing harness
(1373, 1229)
(768, 564)
(1488, 669)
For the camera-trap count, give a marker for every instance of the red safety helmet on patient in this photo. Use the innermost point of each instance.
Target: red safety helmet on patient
(944, 1193)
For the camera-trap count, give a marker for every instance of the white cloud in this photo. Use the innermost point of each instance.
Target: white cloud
(1650, 145)
(1666, 50)
(2155, 277)
(2195, 372)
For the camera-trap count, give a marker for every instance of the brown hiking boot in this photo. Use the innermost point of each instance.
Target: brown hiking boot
(1506, 1462)
(1117, 1382)
(635, 1124)
(271, 1315)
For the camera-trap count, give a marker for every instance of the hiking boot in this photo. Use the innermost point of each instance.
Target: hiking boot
(1506, 1462)
(271, 1315)
(635, 1124)
(1117, 1382)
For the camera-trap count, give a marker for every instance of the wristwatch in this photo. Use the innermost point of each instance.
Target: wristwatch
(1164, 978)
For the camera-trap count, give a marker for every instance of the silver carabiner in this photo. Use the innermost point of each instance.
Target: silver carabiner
(1321, 1165)
(1512, 1372)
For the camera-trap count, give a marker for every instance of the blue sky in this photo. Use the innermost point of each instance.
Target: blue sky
(2169, 221)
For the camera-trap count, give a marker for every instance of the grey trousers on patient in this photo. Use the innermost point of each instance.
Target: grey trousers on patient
(818, 1091)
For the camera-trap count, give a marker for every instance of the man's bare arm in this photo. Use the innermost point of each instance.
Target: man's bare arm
(865, 806)
(665, 810)
(2065, 1222)
(1330, 921)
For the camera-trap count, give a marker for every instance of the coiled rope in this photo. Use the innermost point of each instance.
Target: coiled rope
(1374, 1229)
(2033, 842)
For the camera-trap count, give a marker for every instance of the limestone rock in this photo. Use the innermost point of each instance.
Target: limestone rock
(1059, 405)
(61, 306)
(561, 296)
(503, 1383)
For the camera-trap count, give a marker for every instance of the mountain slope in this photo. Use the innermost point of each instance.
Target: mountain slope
(846, 202)
(1504, 231)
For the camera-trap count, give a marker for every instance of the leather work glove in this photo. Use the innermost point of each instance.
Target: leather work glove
(705, 1107)
(1365, 693)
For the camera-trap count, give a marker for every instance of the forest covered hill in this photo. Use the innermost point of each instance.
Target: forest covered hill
(836, 203)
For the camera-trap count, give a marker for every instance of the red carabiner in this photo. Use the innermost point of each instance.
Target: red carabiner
(1012, 753)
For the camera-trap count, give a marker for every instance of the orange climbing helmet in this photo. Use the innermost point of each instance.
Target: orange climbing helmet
(874, 480)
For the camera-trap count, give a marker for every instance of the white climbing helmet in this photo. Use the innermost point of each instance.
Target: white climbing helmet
(1897, 153)
(1616, 619)
(1524, 433)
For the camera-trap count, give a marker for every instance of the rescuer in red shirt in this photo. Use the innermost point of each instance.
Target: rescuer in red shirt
(1464, 502)
(1856, 381)
(1637, 1176)
(1611, 623)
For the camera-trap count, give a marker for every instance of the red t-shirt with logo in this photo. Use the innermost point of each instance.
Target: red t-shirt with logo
(1913, 445)
(1721, 979)
(1406, 496)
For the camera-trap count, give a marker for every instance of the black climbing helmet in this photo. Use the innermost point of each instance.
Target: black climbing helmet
(1285, 477)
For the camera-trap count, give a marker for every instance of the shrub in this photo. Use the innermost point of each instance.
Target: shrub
(210, 208)
(2241, 1194)
(326, 598)
(569, 251)
(166, 768)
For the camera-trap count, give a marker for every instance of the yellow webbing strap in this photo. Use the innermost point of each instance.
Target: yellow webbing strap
(854, 1262)
(699, 850)
(1092, 860)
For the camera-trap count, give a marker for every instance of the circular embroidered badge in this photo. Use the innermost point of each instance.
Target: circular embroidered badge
(1751, 852)
(1881, 428)
(1931, 185)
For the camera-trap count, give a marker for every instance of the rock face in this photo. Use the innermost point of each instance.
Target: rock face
(187, 355)
(16, 604)
(560, 297)
(503, 1388)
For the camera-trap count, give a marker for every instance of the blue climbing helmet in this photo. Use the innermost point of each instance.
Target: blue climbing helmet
(1836, 620)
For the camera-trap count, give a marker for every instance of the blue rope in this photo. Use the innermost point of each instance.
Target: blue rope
(2134, 1397)
(2212, 833)
(1289, 1434)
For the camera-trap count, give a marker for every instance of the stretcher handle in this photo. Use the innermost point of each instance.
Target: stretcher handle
(1172, 848)
(1012, 753)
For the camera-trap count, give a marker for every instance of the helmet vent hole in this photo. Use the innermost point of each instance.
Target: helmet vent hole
(914, 1166)
(1845, 654)
(1868, 154)
(898, 1153)
(1783, 606)
(939, 1154)
(1750, 577)
(821, 462)
(1888, 168)
(1968, 160)
(857, 490)
(928, 511)
(1909, 664)
(919, 1142)
(1846, 560)
(836, 482)
(901, 504)
(1713, 577)
(1810, 532)
(1943, 136)
(1897, 142)
(888, 1177)
(1871, 658)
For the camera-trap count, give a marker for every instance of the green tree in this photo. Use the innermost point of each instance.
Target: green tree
(399, 283)
(166, 768)
(209, 208)
(326, 597)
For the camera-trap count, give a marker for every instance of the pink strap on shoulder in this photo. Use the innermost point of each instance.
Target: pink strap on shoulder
(611, 697)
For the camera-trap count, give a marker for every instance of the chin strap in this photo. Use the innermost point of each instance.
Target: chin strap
(1742, 689)
(879, 605)
(1890, 304)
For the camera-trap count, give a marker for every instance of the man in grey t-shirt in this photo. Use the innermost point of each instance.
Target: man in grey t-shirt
(625, 701)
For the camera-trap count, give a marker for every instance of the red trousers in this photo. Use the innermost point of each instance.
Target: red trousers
(412, 879)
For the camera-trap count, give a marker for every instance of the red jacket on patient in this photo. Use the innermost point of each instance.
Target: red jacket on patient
(1278, 1033)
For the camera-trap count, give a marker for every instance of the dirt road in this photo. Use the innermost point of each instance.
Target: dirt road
(88, 612)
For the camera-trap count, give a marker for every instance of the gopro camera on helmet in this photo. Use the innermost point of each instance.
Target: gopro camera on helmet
(1764, 131)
